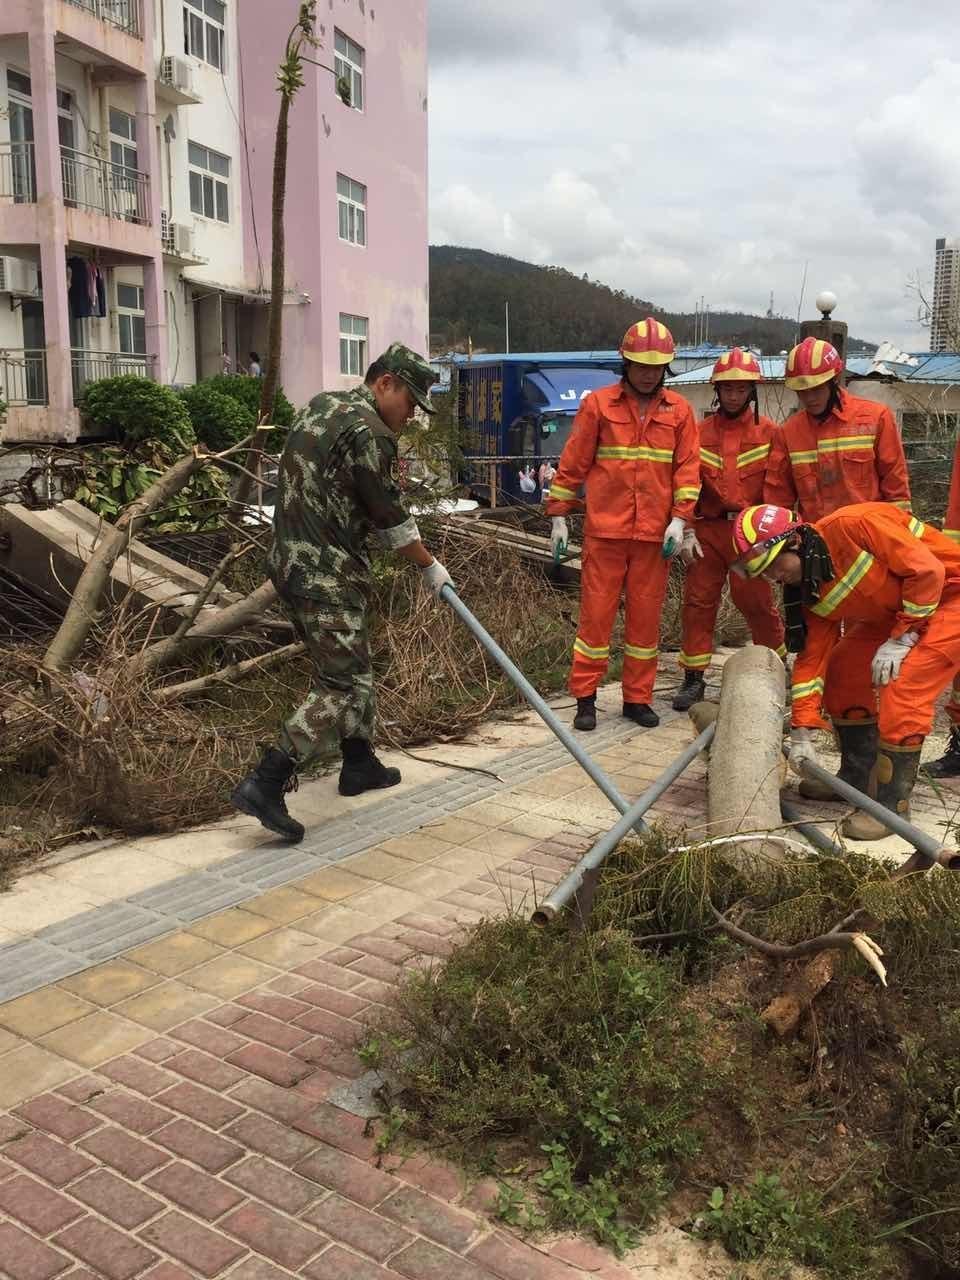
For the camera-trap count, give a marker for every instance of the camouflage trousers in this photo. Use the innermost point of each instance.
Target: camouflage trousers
(342, 704)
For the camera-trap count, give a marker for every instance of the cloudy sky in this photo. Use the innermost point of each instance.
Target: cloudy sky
(703, 147)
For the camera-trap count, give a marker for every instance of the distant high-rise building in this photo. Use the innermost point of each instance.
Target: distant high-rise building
(945, 307)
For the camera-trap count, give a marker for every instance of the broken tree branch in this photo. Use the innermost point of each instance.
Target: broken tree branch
(228, 675)
(214, 626)
(84, 606)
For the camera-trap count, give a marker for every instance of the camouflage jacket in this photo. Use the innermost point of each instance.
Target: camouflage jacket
(337, 485)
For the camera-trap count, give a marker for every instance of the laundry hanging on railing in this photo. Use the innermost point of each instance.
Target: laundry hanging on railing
(86, 288)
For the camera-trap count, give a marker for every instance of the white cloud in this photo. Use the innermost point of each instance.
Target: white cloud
(702, 150)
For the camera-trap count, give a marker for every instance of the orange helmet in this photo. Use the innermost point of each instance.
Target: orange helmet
(737, 366)
(648, 342)
(811, 363)
(760, 534)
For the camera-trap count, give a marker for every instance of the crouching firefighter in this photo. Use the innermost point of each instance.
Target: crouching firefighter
(337, 485)
(734, 446)
(635, 447)
(894, 585)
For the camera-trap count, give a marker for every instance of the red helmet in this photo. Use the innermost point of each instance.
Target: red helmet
(812, 362)
(760, 534)
(737, 366)
(648, 342)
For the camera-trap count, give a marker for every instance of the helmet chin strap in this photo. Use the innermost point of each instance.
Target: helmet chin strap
(832, 403)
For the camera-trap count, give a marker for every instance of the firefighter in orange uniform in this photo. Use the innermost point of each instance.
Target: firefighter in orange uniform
(635, 447)
(734, 447)
(948, 766)
(894, 585)
(837, 449)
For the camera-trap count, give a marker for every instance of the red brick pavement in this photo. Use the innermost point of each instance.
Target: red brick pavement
(213, 1150)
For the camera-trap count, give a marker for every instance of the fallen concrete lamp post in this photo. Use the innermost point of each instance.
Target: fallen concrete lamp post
(929, 852)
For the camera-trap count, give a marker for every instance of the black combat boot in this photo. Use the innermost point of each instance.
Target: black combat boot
(261, 793)
(948, 766)
(641, 713)
(691, 691)
(586, 717)
(858, 751)
(362, 771)
(896, 776)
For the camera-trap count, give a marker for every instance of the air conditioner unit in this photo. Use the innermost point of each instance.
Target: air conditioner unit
(182, 238)
(17, 276)
(177, 73)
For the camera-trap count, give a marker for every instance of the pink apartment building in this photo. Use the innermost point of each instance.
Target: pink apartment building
(136, 154)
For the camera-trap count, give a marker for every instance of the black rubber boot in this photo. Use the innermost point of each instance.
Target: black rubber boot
(641, 713)
(948, 766)
(858, 752)
(586, 717)
(261, 794)
(896, 774)
(362, 771)
(691, 691)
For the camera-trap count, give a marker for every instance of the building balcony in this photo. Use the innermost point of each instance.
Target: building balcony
(18, 173)
(91, 366)
(125, 15)
(89, 183)
(99, 186)
(23, 377)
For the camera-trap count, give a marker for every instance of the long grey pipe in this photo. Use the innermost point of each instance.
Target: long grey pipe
(928, 848)
(569, 885)
(605, 784)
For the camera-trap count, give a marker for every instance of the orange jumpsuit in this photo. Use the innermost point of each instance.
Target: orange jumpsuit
(639, 471)
(733, 461)
(951, 528)
(893, 574)
(855, 455)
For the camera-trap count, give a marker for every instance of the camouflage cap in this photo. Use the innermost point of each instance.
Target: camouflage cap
(412, 369)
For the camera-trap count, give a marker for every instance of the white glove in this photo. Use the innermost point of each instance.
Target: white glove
(435, 577)
(888, 659)
(559, 536)
(802, 750)
(672, 538)
(690, 548)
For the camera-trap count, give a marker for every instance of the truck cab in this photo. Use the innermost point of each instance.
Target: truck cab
(515, 413)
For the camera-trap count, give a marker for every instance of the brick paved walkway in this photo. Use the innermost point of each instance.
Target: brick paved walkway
(193, 1105)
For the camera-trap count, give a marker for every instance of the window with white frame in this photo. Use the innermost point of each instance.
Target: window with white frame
(353, 344)
(130, 320)
(209, 182)
(352, 210)
(123, 139)
(348, 65)
(204, 34)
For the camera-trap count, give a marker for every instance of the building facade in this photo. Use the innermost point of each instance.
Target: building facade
(136, 157)
(945, 305)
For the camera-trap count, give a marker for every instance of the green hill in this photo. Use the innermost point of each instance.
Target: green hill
(551, 309)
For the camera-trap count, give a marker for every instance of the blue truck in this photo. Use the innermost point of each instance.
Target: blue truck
(514, 413)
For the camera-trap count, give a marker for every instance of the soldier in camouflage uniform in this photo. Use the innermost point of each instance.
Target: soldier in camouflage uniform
(337, 485)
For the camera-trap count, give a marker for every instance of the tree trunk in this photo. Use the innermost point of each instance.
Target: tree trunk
(209, 628)
(84, 605)
(271, 372)
(236, 671)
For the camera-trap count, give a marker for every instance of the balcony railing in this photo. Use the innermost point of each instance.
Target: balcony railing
(23, 376)
(90, 366)
(103, 187)
(125, 14)
(18, 172)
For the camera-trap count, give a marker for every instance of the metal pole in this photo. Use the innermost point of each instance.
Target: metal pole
(569, 885)
(807, 829)
(543, 711)
(926, 846)
(506, 322)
